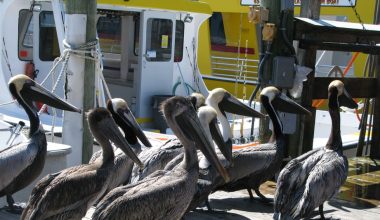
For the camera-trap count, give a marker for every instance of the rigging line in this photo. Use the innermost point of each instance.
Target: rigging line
(5, 54)
(54, 110)
(356, 14)
(183, 81)
(195, 67)
(7, 103)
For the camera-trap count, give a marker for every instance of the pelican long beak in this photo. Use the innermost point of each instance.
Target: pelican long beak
(285, 104)
(112, 131)
(225, 148)
(189, 123)
(129, 119)
(34, 92)
(232, 105)
(346, 100)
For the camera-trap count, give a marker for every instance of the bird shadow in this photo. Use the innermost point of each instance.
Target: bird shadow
(315, 215)
(355, 204)
(213, 215)
(242, 204)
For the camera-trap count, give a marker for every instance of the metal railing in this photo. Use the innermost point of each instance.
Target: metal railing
(232, 68)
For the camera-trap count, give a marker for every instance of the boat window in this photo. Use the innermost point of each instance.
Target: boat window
(109, 31)
(25, 35)
(159, 39)
(179, 35)
(217, 33)
(49, 48)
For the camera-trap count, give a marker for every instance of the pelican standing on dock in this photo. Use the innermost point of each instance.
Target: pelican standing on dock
(222, 101)
(132, 132)
(22, 163)
(157, 157)
(165, 194)
(309, 180)
(69, 193)
(253, 165)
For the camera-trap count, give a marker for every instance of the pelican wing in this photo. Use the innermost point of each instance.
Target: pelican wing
(156, 158)
(322, 183)
(292, 177)
(14, 160)
(159, 195)
(75, 188)
(37, 192)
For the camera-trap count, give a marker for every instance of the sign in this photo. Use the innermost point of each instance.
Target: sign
(339, 3)
(164, 41)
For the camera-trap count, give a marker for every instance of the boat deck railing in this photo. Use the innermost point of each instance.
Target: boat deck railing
(234, 67)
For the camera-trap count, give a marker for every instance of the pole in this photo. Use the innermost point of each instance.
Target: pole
(278, 11)
(375, 143)
(302, 139)
(80, 89)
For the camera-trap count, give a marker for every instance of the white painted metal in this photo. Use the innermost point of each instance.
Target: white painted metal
(58, 18)
(155, 78)
(75, 26)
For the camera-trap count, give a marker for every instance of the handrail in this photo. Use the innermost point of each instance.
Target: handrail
(232, 67)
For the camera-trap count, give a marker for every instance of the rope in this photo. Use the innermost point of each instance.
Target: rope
(69, 50)
(99, 70)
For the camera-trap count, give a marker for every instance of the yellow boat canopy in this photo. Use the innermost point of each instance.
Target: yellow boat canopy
(166, 5)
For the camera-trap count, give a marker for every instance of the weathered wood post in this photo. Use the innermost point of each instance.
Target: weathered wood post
(304, 135)
(80, 28)
(375, 143)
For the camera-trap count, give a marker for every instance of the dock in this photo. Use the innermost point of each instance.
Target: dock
(237, 206)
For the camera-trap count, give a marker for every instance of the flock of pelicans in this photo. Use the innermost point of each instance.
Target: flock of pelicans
(131, 179)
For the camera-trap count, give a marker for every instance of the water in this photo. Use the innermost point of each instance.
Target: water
(362, 186)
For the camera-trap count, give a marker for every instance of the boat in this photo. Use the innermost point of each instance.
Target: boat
(150, 50)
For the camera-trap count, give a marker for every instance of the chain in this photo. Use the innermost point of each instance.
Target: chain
(356, 13)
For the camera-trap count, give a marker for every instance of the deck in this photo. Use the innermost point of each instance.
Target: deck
(359, 198)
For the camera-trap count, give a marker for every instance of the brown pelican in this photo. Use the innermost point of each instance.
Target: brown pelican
(126, 121)
(157, 157)
(254, 165)
(21, 164)
(222, 102)
(307, 181)
(69, 193)
(164, 194)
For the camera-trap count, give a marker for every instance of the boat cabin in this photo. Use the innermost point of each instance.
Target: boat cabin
(148, 49)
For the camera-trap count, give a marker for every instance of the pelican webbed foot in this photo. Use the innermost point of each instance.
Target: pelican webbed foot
(263, 198)
(207, 202)
(14, 208)
(321, 212)
(251, 198)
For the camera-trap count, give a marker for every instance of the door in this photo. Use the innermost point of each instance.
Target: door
(46, 46)
(155, 58)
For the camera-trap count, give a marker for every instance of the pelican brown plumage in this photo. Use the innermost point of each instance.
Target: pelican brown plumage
(69, 193)
(309, 180)
(22, 163)
(132, 132)
(164, 194)
(157, 157)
